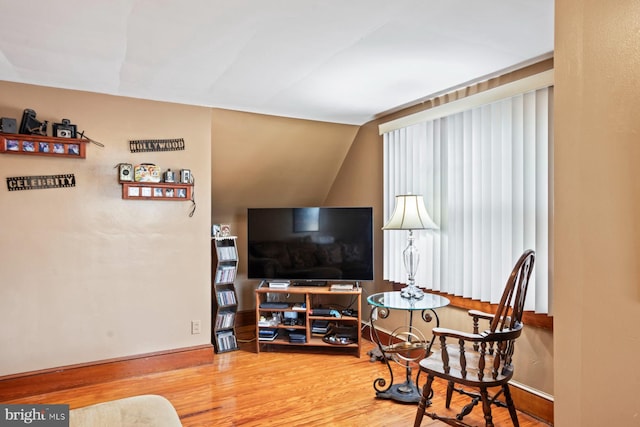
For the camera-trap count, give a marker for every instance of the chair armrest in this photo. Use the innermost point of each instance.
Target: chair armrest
(481, 314)
(452, 333)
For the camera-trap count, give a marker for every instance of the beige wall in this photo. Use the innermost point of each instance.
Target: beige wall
(597, 206)
(86, 275)
(267, 161)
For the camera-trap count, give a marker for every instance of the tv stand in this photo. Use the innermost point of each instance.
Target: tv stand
(317, 283)
(308, 316)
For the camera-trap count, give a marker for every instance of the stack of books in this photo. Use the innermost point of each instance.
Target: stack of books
(267, 334)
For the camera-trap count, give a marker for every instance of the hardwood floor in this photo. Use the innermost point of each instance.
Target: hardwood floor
(243, 388)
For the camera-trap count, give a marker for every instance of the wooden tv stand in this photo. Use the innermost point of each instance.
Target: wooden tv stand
(300, 309)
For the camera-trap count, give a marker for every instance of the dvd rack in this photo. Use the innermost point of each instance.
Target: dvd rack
(226, 341)
(224, 299)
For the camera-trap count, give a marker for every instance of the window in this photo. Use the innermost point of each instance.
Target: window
(486, 180)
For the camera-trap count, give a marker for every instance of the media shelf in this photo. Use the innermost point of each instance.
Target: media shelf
(308, 316)
(36, 145)
(224, 298)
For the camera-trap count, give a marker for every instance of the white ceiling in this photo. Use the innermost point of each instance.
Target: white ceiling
(344, 61)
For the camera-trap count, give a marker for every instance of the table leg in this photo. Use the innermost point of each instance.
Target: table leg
(409, 390)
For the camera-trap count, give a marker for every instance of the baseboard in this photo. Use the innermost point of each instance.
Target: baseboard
(532, 403)
(527, 401)
(61, 378)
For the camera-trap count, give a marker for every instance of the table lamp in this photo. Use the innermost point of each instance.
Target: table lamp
(410, 214)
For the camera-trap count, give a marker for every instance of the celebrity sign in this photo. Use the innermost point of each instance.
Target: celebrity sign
(41, 181)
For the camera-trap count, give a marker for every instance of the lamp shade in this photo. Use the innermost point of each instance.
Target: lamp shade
(410, 214)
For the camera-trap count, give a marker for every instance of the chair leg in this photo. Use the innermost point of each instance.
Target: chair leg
(422, 406)
(510, 405)
(486, 407)
(449, 394)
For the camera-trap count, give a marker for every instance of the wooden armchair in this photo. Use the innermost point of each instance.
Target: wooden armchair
(480, 360)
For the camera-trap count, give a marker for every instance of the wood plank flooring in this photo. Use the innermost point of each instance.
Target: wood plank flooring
(243, 388)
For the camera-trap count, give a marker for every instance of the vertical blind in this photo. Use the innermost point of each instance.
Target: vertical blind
(484, 174)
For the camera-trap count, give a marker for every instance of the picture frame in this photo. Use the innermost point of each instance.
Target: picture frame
(134, 191)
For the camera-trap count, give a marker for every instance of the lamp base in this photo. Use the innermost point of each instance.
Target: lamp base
(411, 292)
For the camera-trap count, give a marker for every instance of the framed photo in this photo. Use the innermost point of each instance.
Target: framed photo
(58, 148)
(134, 191)
(28, 146)
(169, 192)
(225, 230)
(146, 191)
(182, 192)
(215, 230)
(43, 147)
(74, 149)
(157, 192)
(13, 145)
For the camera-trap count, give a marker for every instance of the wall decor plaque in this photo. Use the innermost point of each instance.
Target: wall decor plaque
(41, 181)
(147, 145)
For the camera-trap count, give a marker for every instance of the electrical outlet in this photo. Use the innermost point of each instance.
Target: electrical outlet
(195, 327)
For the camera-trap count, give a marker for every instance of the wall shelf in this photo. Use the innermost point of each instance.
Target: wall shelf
(36, 145)
(173, 191)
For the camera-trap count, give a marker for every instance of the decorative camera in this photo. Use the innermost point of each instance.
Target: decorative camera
(64, 129)
(8, 125)
(185, 176)
(126, 171)
(29, 125)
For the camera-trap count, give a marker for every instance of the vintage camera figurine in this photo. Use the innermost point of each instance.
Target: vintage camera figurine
(126, 171)
(64, 129)
(185, 176)
(29, 125)
(8, 125)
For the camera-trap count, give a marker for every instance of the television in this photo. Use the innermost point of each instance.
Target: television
(310, 245)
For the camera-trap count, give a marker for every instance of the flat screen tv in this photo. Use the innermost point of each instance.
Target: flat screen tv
(310, 244)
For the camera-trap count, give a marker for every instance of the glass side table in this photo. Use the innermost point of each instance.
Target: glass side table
(406, 345)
